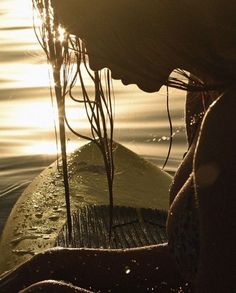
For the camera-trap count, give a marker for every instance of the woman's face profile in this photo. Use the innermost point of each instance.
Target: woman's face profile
(127, 64)
(118, 39)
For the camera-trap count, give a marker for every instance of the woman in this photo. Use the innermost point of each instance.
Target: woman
(142, 42)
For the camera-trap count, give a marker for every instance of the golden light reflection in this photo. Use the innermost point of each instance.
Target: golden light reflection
(46, 147)
(38, 115)
(41, 114)
(21, 75)
(14, 10)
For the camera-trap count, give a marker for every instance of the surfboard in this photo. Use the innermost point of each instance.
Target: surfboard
(40, 213)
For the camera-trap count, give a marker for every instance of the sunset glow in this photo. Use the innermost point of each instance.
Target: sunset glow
(48, 147)
(21, 75)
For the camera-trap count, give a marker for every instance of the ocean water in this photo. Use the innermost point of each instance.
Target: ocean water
(27, 139)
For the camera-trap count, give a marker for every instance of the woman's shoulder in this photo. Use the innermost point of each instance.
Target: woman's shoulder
(215, 185)
(215, 152)
(218, 128)
(225, 103)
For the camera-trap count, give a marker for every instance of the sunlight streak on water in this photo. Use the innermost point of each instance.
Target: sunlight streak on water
(14, 14)
(48, 147)
(21, 75)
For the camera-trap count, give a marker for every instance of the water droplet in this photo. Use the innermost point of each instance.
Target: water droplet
(39, 215)
(33, 228)
(54, 217)
(127, 270)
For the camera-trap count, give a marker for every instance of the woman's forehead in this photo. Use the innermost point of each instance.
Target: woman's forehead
(99, 12)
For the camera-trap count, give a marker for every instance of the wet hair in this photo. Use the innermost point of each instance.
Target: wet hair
(67, 55)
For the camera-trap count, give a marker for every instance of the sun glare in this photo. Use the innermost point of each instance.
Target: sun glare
(43, 147)
(21, 75)
(36, 115)
(14, 10)
(46, 147)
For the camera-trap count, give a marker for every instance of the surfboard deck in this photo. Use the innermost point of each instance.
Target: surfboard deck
(131, 228)
(40, 213)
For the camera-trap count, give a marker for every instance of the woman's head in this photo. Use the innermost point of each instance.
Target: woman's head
(142, 42)
(121, 35)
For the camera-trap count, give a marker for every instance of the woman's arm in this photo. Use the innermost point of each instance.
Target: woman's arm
(131, 270)
(215, 187)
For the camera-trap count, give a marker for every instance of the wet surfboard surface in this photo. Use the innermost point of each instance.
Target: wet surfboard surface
(40, 213)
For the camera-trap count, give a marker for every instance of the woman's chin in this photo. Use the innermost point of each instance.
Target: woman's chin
(149, 88)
